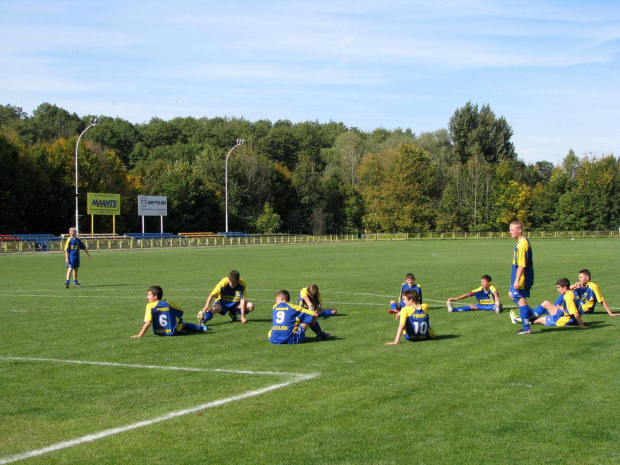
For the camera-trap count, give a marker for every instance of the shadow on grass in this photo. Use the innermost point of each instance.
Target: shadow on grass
(589, 324)
(446, 336)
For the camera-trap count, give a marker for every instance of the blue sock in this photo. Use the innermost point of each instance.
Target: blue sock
(207, 316)
(525, 312)
(462, 309)
(327, 313)
(393, 306)
(191, 327)
(316, 327)
(539, 311)
(67, 281)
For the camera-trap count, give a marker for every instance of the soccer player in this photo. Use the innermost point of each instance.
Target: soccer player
(166, 317)
(229, 295)
(486, 294)
(522, 276)
(290, 321)
(72, 256)
(408, 285)
(563, 312)
(414, 320)
(310, 298)
(589, 294)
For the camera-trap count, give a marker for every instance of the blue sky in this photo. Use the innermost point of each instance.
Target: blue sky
(551, 68)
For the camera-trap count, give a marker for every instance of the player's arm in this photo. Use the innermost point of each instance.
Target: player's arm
(145, 326)
(580, 321)
(399, 333)
(208, 304)
(599, 298)
(464, 296)
(520, 270)
(573, 311)
(604, 302)
(496, 297)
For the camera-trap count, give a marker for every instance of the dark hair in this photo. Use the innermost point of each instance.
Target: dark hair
(412, 294)
(157, 291)
(233, 275)
(284, 294)
(563, 282)
(487, 277)
(586, 272)
(409, 275)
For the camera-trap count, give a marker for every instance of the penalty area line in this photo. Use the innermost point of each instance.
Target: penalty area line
(114, 431)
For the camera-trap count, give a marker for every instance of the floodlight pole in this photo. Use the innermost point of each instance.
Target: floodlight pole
(93, 122)
(239, 142)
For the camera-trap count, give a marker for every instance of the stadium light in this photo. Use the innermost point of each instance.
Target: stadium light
(93, 122)
(239, 142)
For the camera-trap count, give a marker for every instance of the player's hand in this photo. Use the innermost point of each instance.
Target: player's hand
(136, 335)
(243, 319)
(391, 343)
(89, 258)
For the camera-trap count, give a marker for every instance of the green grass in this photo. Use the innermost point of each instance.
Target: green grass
(477, 394)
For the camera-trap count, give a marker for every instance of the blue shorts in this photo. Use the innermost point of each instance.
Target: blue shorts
(518, 293)
(73, 263)
(297, 337)
(485, 306)
(227, 306)
(552, 320)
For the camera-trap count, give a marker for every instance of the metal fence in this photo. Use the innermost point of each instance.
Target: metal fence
(221, 241)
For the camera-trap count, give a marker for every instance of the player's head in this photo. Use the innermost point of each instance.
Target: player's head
(516, 229)
(156, 292)
(409, 278)
(233, 277)
(313, 289)
(283, 296)
(412, 295)
(562, 285)
(72, 231)
(584, 276)
(485, 280)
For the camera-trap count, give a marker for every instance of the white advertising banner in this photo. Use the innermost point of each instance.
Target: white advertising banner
(152, 205)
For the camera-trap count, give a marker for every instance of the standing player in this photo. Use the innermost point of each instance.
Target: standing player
(310, 298)
(167, 318)
(229, 295)
(486, 294)
(414, 320)
(289, 321)
(589, 294)
(72, 256)
(522, 276)
(408, 285)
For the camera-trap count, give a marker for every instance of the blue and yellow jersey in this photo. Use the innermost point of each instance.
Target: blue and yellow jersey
(589, 296)
(406, 287)
(416, 321)
(223, 291)
(568, 309)
(166, 317)
(316, 300)
(484, 297)
(523, 257)
(73, 246)
(286, 319)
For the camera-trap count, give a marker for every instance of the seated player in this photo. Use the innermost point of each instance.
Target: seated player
(563, 312)
(486, 294)
(310, 298)
(408, 285)
(290, 321)
(414, 320)
(229, 295)
(589, 295)
(167, 318)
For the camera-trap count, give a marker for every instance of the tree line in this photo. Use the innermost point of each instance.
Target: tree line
(305, 177)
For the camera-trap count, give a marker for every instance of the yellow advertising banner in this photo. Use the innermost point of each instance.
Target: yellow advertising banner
(103, 204)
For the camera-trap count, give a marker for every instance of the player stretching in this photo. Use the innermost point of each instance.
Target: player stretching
(229, 295)
(486, 294)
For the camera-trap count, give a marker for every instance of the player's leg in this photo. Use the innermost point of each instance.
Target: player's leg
(192, 327)
(525, 312)
(394, 307)
(68, 277)
(217, 308)
(75, 277)
(316, 327)
(327, 312)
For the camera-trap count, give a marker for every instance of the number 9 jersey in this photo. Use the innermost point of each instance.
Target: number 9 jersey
(286, 320)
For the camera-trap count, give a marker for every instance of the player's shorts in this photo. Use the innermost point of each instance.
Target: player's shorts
(297, 337)
(518, 293)
(559, 319)
(73, 263)
(227, 306)
(430, 334)
(485, 307)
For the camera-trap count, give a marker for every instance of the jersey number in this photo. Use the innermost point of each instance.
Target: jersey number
(280, 316)
(420, 327)
(163, 320)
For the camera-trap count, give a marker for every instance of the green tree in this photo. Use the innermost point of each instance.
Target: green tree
(269, 221)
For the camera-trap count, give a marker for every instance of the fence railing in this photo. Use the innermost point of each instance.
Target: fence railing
(123, 243)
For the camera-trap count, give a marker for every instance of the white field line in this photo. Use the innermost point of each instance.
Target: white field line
(297, 378)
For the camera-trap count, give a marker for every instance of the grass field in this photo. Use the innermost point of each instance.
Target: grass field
(77, 389)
